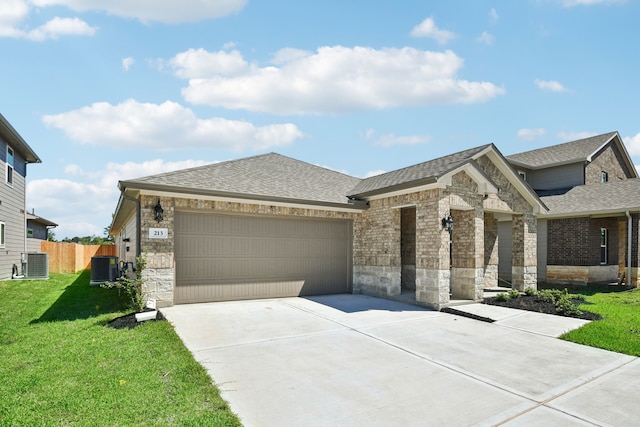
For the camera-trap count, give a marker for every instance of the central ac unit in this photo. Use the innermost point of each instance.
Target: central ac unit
(36, 265)
(103, 269)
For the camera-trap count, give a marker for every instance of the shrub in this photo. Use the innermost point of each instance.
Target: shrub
(503, 297)
(565, 306)
(132, 288)
(513, 293)
(549, 295)
(530, 292)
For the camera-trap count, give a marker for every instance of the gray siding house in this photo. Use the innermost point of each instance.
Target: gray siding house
(37, 231)
(15, 154)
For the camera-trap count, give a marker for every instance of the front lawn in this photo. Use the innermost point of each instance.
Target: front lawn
(59, 364)
(619, 329)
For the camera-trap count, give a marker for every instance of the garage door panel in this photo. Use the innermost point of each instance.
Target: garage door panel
(226, 257)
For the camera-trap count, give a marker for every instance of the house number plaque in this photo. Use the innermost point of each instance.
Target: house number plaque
(158, 233)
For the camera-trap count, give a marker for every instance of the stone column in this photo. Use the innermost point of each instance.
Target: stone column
(467, 272)
(432, 252)
(525, 258)
(491, 259)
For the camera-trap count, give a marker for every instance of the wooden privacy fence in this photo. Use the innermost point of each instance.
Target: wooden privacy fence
(72, 257)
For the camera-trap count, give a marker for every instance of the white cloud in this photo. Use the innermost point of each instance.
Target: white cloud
(167, 126)
(485, 38)
(167, 11)
(493, 16)
(390, 140)
(571, 3)
(14, 12)
(89, 194)
(574, 136)
(530, 134)
(200, 64)
(428, 28)
(127, 63)
(550, 85)
(633, 144)
(331, 80)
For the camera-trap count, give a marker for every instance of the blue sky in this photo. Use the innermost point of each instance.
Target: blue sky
(107, 90)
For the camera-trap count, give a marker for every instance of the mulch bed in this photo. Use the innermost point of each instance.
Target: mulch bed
(533, 303)
(129, 321)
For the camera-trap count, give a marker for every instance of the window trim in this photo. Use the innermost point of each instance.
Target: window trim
(604, 177)
(604, 246)
(3, 234)
(10, 166)
(523, 175)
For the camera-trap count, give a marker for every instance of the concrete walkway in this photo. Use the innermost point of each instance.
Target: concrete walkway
(353, 360)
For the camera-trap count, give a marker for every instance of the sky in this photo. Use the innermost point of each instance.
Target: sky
(110, 90)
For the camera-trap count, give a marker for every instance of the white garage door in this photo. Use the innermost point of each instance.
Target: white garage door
(232, 257)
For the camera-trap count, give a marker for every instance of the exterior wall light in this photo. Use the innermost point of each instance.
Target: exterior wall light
(158, 212)
(447, 223)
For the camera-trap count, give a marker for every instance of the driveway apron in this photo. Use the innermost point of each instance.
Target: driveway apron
(354, 360)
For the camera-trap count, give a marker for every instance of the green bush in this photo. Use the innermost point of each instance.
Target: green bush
(513, 293)
(530, 292)
(503, 297)
(549, 295)
(132, 288)
(565, 306)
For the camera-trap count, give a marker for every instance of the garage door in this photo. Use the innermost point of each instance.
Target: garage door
(231, 257)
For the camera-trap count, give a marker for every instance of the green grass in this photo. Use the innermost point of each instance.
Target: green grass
(59, 365)
(619, 330)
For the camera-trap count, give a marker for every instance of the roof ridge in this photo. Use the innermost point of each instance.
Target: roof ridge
(563, 144)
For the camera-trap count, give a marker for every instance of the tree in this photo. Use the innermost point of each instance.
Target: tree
(51, 236)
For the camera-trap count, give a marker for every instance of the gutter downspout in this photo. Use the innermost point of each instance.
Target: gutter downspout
(138, 219)
(629, 234)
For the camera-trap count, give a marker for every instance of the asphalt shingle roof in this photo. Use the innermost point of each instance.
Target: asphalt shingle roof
(413, 174)
(605, 197)
(269, 175)
(569, 152)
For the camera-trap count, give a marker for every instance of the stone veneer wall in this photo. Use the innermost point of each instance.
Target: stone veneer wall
(490, 251)
(609, 160)
(377, 248)
(159, 274)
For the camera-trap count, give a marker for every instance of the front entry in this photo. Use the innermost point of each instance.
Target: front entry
(408, 248)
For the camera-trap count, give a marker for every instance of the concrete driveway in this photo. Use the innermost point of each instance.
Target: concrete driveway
(353, 360)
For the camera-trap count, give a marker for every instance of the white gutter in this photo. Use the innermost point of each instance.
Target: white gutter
(629, 234)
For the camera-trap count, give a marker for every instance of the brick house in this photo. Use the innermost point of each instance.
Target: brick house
(272, 226)
(592, 190)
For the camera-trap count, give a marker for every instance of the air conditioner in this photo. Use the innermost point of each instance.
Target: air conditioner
(103, 269)
(35, 265)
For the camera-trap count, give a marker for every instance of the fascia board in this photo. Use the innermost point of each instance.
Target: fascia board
(228, 197)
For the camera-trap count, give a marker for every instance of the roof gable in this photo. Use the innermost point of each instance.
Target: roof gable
(416, 175)
(578, 151)
(13, 138)
(268, 176)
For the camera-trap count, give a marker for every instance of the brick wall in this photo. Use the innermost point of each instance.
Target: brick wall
(576, 241)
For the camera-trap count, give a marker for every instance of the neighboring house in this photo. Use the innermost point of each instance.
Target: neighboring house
(37, 231)
(592, 190)
(272, 226)
(15, 154)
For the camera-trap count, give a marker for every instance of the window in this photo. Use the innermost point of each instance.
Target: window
(9, 165)
(1, 234)
(604, 177)
(603, 245)
(523, 175)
